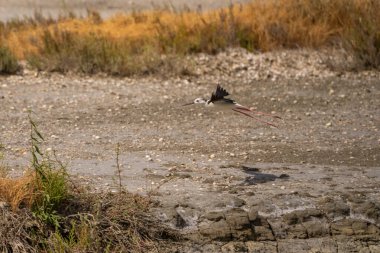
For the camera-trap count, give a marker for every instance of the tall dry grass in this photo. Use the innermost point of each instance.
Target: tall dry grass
(18, 192)
(124, 41)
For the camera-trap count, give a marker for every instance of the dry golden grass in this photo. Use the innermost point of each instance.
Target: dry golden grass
(18, 192)
(88, 222)
(259, 25)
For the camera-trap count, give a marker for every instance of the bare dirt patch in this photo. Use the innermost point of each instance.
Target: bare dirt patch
(222, 178)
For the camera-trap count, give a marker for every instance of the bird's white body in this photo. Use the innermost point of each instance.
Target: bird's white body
(224, 106)
(221, 105)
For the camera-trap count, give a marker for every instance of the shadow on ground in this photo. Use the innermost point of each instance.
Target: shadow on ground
(257, 177)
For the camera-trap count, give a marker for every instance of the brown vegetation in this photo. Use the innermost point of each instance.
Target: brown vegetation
(39, 214)
(129, 44)
(51, 213)
(87, 223)
(18, 192)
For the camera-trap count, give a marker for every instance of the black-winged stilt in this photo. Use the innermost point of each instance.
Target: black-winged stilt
(218, 101)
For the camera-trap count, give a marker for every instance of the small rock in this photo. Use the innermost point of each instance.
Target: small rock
(237, 202)
(237, 218)
(215, 230)
(214, 216)
(253, 214)
(263, 233)
(269, 247)
(342, 227)
(233, 247)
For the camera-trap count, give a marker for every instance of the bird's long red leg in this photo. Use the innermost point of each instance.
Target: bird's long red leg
(246, 114)
(265, 114)
(240, 107)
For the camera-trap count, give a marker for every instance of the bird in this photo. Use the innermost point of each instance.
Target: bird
(219, 101)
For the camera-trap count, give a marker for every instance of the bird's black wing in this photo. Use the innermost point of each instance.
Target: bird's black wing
(219, 94)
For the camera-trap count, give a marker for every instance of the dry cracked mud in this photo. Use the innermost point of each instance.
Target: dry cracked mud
(226, 182)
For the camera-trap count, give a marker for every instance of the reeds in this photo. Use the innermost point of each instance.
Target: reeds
(118, 44)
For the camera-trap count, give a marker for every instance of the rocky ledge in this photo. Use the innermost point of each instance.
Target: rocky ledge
(277, 209)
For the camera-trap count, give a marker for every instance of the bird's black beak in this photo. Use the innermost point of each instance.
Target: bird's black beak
(188, 104)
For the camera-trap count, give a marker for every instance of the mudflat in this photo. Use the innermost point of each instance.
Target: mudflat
(227, 182)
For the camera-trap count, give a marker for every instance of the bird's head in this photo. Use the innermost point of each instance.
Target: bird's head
(197, 101)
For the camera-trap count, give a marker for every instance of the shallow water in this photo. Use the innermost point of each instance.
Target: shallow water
(54, 8)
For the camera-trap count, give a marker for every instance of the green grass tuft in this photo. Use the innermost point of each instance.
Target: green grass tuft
(52, 190)
(51, 186)
(8, 61)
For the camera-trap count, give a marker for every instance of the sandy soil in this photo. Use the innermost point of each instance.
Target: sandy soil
(221, 178)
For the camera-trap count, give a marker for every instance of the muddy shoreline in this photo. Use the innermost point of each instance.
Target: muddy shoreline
(227, 183)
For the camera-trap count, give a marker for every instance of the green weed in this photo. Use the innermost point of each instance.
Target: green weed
(80, 236)
(3, 167)
(8, 62)
(51, 181)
